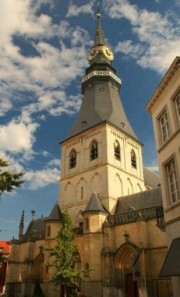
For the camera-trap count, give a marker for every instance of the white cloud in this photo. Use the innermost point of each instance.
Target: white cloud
(41, 178)
(17, 137)
(129, 48)
(5, 105)
(35, 85)
(74, 10)
(158, 35)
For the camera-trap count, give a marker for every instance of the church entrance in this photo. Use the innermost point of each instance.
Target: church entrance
(131, 286)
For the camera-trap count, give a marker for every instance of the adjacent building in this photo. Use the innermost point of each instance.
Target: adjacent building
(164, 107)
(114, 202)
(4, 255)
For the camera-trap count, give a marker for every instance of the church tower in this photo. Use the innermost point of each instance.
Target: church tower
(101, 154)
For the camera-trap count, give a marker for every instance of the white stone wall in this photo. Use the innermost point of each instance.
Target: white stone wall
(107, 176)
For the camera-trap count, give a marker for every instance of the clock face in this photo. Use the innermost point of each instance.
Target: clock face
(107, 52)
(92, 53)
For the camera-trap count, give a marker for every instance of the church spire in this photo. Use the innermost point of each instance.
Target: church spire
(100, 52)
(100, 87)
(21, 225)
(99, 37)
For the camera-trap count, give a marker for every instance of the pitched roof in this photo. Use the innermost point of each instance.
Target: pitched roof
(171, 265)
(94, 205)
(55, 214)
(37, 225)
(141, 200)
(151, 179)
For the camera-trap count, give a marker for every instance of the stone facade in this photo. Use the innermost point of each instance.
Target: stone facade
(164, 107)
(116, 212)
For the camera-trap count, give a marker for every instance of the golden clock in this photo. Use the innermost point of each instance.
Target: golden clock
(107, 52)
(92, 53)
(104, 49)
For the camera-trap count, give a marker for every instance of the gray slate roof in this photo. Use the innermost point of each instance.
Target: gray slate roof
(55, 214)
(38, 225)
(101, 102)
(97, 108)
(94, 205)
(151, 179)
(99, 37)
(141, 200)
(171, 265)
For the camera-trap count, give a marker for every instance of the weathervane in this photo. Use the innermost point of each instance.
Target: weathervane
(99, 6)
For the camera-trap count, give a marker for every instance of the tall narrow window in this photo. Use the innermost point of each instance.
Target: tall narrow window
(82, 193)
(117, 152)
(87, 224)
(94, 150)
(48, 231)
(173, 185)
(133, 159)
(164, 127)
(177, 107)
(72, 159)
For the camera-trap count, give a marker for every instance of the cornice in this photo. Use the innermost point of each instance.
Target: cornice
(163, 84)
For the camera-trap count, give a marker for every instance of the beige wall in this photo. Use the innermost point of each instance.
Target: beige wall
(163, 99)
(107, 176)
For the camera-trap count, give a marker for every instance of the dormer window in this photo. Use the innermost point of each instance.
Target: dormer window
(133, 159)
(72, 159)
(93, 150)
(117, 153)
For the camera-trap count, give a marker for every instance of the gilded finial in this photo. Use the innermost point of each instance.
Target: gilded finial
(98, 14)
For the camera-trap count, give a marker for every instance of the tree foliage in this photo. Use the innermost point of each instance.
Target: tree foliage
(65, 255)
(8, 179)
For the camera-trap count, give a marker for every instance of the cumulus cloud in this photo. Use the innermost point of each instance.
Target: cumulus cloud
(34, 82)
(41, 178)
(17, 137)
(74, 10)
(158, 40)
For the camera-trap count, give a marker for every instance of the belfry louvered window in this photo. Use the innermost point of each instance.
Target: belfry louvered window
(93, 150)
(72, 159)
(133, 159)
(117, 153)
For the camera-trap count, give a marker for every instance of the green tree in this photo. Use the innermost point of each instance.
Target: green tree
(8, 179)
(64, 257)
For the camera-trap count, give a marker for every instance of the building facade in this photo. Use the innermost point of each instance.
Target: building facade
(164, 106)
(4, 255)
(114, 202)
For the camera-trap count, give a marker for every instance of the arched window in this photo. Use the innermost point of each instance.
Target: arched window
(117, 153)
(72, 159)
(133, 159)
(94, 150)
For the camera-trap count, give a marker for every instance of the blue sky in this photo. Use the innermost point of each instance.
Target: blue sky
(43, 56)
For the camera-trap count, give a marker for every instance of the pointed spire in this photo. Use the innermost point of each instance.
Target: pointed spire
(21, 225)
(99, 37)
(55, 214)
(94, 205)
